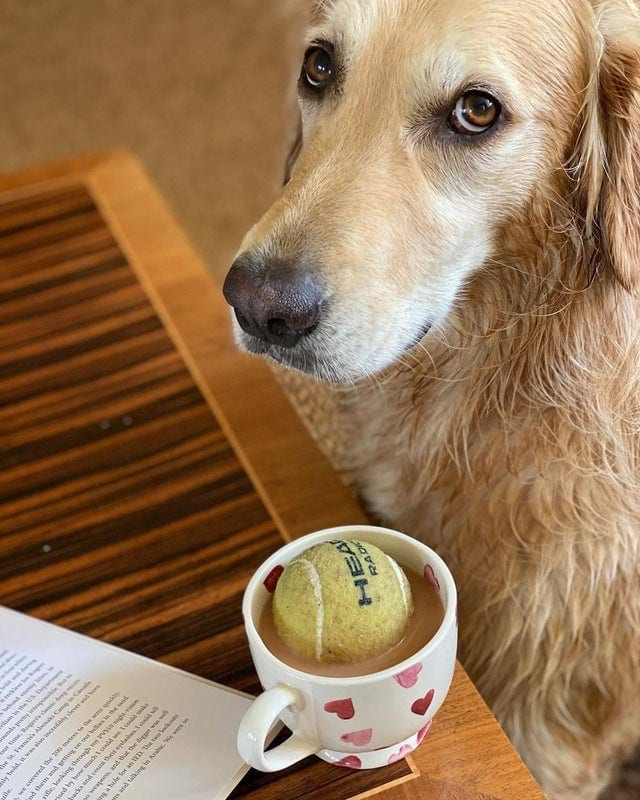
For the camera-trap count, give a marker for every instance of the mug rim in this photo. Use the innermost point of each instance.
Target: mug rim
(323, 534)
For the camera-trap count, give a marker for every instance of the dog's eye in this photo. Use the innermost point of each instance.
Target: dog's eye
(474, 112)
(317, 69)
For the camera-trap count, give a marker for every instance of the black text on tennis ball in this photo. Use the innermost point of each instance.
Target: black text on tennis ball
(342, 600)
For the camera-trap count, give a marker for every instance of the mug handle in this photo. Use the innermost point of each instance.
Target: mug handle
(257, 723)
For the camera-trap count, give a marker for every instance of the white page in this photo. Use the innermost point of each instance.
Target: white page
(83, 720)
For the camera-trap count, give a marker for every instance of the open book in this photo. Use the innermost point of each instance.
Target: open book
(83, 720)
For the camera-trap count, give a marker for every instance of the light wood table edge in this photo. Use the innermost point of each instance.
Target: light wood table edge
(185, 296)
(386, 788)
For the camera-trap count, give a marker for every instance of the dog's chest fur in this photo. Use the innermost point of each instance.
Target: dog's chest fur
(414, 471)
(528, 509)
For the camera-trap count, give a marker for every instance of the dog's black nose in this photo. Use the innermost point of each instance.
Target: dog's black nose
(278, 302)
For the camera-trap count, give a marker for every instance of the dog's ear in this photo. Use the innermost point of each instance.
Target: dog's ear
(293, 153)
(609, 161)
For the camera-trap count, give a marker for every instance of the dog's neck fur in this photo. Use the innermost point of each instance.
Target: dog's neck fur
(544, 331)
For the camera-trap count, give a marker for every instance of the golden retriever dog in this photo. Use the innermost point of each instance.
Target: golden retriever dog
(459, 240)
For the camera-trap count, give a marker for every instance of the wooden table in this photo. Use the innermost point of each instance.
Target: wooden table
(148, 467)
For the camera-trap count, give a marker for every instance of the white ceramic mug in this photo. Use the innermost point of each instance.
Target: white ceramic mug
(358, 722)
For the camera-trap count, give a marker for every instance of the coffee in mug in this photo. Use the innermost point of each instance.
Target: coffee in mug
(426, 618)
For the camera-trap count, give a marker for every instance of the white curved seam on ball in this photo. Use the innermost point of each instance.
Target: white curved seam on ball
(403, 587)
(317, 591)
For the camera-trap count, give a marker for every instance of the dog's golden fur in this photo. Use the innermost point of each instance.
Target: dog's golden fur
(509, 438)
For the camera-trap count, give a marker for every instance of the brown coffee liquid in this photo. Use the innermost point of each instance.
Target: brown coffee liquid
(428, 613)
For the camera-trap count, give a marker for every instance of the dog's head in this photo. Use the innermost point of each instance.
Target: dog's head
(429, 128)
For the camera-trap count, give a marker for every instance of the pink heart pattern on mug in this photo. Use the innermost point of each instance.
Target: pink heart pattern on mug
(430, 575)
(350, 762)
(358, 738)
(421, 705)
(343, 708)
(271, 581)
(402, 752)
(422, 733)
(409, 676)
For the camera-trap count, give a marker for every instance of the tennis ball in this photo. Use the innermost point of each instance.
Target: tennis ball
(342, 600)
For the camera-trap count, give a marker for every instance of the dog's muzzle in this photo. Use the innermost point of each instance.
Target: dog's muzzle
(275, 302)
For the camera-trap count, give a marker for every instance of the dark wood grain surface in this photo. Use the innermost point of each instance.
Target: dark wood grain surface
(125, 513)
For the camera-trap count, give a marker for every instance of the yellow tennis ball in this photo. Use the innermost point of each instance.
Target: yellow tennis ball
(342, 600)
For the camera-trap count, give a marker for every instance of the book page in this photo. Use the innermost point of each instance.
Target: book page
(83, 720)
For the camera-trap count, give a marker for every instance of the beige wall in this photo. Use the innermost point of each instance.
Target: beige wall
(199, 89)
